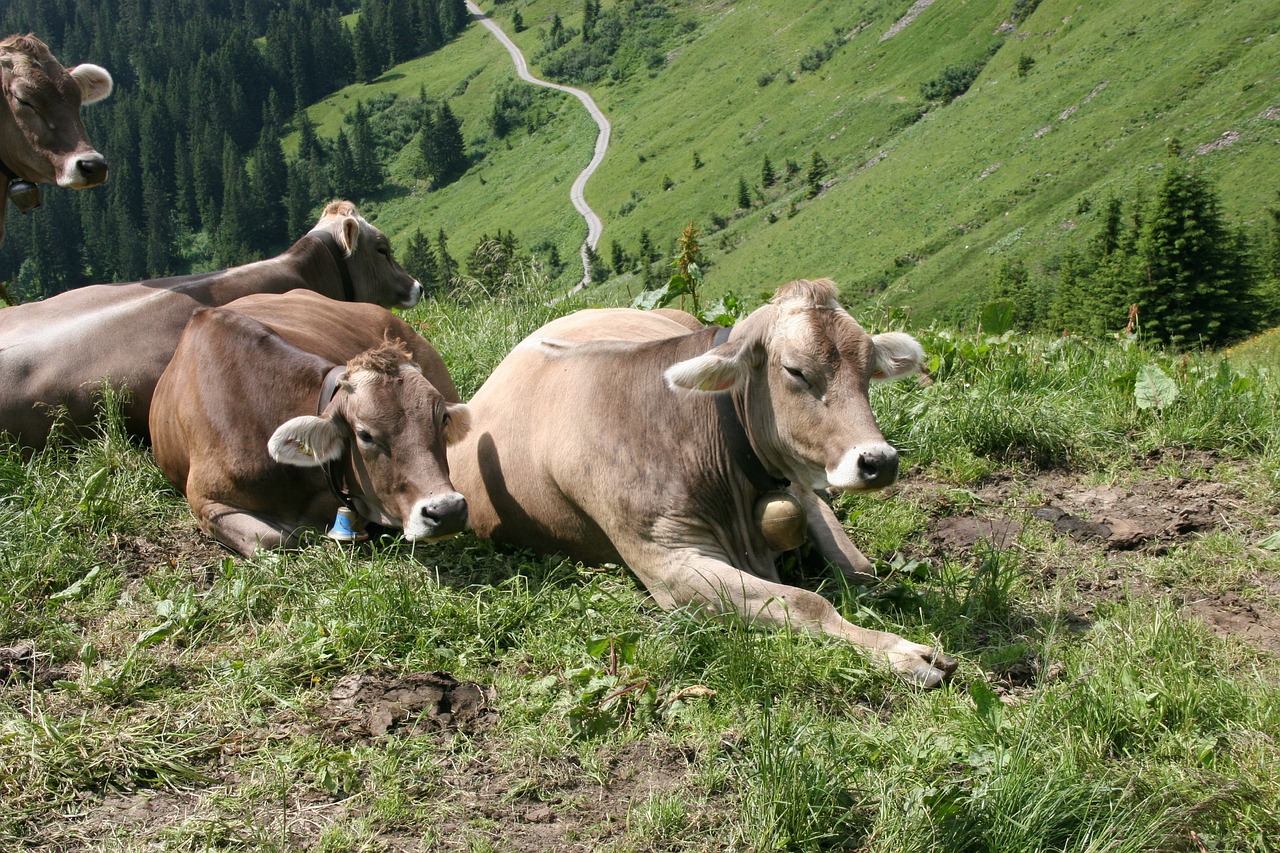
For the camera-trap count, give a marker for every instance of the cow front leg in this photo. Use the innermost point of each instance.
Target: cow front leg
(831, 540)
(690, 579)
(244, 532)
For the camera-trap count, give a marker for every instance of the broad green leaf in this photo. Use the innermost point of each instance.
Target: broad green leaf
(1153, 388)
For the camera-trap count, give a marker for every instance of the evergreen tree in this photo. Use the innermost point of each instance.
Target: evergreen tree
(645, 252)
(342, 167)
(421, 263)
(446, 266)
(590, 15)
(299, 202)
(1192, 280)
(268, 190)
(443, 150)
(237, 220)
(365, 52)
(744, 194)
(817, 171)
(767, 176)
(368, 171)
(617, 257)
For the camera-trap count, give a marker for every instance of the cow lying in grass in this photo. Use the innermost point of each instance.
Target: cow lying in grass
(251, 414)
(58, 353)
(622, 436)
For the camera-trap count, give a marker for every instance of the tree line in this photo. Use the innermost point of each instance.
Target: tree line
(205, 91)
(1171, 267)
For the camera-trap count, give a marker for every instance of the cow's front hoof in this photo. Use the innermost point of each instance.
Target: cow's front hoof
(923, 666)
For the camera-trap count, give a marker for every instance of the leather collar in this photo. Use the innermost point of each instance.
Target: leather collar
(735, 436)
(348, 288)
(335, 471)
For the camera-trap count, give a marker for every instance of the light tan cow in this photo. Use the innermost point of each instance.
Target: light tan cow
(253, 415)
(608, 435)
(59, 352)
(42, 140)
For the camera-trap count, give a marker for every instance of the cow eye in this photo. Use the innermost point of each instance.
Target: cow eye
(796, 374)
(444, 422)
(364, 436)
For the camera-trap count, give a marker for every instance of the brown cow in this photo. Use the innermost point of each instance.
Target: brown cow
(620, 436)
(59, 352)
(42, 140)
(246, 422)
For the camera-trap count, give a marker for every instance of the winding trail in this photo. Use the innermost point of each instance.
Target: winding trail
(594, 226)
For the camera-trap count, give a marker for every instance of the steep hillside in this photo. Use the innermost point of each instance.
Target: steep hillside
(917, 207)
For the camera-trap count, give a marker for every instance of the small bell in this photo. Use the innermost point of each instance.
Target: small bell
(782, 520)
(24, 195)
(347, 527)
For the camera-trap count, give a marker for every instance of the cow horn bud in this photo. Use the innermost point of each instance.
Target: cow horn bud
(782, 520)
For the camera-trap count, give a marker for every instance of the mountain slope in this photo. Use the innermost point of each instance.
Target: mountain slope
(916, 210)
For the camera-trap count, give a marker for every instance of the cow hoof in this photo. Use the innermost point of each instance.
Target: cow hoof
(925, 668)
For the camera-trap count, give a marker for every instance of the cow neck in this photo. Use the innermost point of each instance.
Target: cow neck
(335, 251)
(335, 470)
(735, 437)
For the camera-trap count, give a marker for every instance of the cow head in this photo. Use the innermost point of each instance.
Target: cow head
(375, 275)
(392, 426)
(801, 369)
(42, 139)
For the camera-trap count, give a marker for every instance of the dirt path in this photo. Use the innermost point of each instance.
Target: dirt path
(594, 226)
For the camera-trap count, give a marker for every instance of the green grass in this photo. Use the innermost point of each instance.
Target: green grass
(918, 214)
(157, 667)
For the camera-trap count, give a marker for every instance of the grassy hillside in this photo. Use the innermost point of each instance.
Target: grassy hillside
(921, 210)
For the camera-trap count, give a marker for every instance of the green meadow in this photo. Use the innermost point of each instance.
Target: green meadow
(1103, 566)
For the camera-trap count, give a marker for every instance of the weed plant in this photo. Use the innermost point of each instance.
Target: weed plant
(138, 663)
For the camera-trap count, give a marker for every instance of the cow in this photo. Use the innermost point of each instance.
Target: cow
(59, 352)
(42, 140)
(617, 435)
(270, 402)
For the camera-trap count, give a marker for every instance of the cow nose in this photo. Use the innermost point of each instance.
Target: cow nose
(878, 467)
(92, 169)
(444, 514)
(867, 466)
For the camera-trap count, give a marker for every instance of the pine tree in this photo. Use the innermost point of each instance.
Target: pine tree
(268, 188)
(342, 167)
(447, 267)
(369, 173)
(446, 154)
(365, 51)
(1192, 280)
(421, 263)
(817, 171)
(767, 176)
(236, 221)
(590, 15)
(744, 194)
(617, 257)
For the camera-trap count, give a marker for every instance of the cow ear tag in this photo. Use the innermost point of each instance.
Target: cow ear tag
(24, 195)
(782, 520)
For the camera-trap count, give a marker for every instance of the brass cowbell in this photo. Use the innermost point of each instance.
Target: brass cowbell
(782, 520)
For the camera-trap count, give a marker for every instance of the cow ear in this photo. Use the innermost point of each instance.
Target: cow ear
(349, 235)
(897, 354)
(307, 441)
(722, 369)
(94, 80)
(459, 423)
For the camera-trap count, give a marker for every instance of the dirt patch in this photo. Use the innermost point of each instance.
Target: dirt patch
(1230, 615)
(364, 706)
(137, 556)
(1149, 513)
(557, 804)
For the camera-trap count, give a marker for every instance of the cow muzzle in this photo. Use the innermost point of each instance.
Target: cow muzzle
(437, 517)
(84, 171)
(865, 467)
